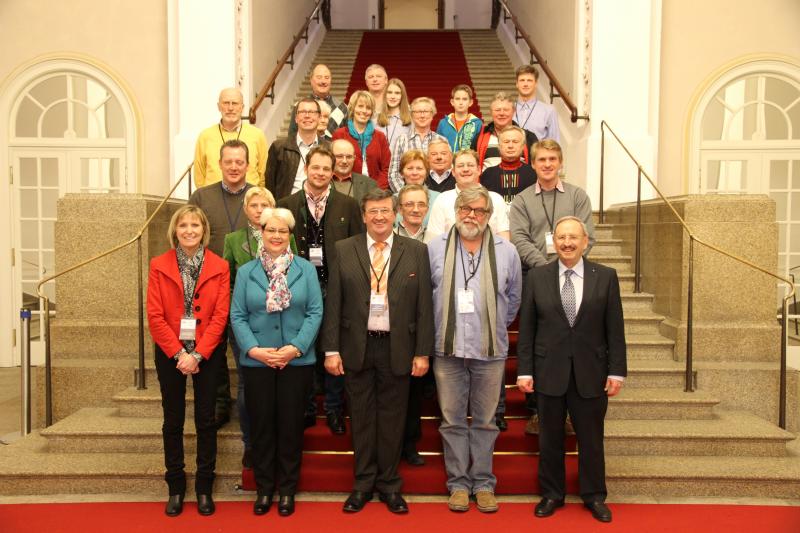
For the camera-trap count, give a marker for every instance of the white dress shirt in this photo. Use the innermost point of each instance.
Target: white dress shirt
(380, 321)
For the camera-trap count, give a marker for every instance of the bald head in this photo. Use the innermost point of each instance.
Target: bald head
(321, 81)
(230, 105)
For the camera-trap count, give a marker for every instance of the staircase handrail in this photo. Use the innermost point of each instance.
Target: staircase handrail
(137, 238)
(268, 89)
(688, 381)
(559, 92)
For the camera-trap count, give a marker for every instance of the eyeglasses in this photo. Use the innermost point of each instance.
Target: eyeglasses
(307, 112)
(276, 231)
(479, 211)
(384, 211)
(346, 157)
(422, 112)
(412, 205)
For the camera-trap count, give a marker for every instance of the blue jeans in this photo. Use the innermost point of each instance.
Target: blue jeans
(468, 386)
(244, 419)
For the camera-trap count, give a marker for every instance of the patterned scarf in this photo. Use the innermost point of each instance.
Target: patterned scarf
(488, 279)
(278, 295)
(363, 138)
(189, 268)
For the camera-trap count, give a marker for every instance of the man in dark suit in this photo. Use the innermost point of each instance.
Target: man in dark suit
(323, 217)
(378, 330)
(571, 350)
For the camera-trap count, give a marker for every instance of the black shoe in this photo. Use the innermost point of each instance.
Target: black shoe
(205, 504)
(600, 511)
(310, 420)
(174, 505)
(412, 456)
(336, 423)
(356, 501)
(222, 417)
(546, 507)
(394, 502)
(286, 505)
(262, 505)
(500, 420)
(247, 458)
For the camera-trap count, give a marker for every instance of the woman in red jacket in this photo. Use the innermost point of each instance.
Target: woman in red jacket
(188, 298)
(371, 146)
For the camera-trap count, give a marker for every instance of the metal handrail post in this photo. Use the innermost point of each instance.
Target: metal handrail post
(48, 368)
(637, 288)
(602, 170)
(689, 382)
(25, 374)
(782, 384)
(140, 382)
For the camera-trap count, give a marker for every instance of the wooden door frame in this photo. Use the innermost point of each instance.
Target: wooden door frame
(439, 12)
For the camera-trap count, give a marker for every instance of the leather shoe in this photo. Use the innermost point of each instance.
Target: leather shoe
(174, 505)
(394, 502)
(412, 456)
(205, 504)
(356, 501)
(546, 507)
(500, 420)
(286, 505)
(262, 505)
(336, 423)
(309, 420)
(600, 511)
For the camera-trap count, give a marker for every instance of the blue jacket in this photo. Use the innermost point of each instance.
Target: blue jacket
(459, 139)
(297, 325)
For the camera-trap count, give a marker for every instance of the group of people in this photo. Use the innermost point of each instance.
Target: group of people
(394, 258)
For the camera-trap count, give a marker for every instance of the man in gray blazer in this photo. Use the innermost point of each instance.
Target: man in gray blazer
(571, 351)
(378, 330)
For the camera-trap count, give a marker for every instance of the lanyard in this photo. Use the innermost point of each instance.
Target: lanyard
(235, 221)
(394, 119)
(237, 134)
(377, 277)
(529, 115)
(472, 270)
(550, 221)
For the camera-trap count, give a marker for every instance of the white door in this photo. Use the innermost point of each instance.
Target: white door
(411, 15)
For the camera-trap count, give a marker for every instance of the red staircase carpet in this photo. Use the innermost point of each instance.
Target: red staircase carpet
(430, 63)
(423, 517)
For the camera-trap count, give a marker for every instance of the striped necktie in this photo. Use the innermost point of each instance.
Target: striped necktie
(568, 297)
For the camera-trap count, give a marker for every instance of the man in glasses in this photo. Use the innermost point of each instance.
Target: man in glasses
(206, 168)
(321, 83)
(477, 285)
(322, 217)
(422, 111)
(378, 331)
(346, 181)
(286, 165)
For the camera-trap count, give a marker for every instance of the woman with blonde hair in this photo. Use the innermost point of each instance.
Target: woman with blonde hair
(371, 146)
(395, 116)
(188, 298)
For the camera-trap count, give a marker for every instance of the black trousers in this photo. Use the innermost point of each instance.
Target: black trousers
(377, 400)
(173, 404)
(588, 419)
(223, 399)
(276, 401)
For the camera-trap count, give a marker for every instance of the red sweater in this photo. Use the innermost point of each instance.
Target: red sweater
(378, 155)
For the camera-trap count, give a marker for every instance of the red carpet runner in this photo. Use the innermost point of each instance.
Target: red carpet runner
(423, 517)
(430, 63)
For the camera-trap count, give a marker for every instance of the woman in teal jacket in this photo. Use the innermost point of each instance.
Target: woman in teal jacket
(276, 312)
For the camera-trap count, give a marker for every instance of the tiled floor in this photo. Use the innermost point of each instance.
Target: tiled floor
(10, 395)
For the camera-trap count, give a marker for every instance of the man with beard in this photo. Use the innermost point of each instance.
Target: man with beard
(477, 281)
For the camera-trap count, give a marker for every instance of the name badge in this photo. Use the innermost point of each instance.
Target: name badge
(377, 303)
(188, 329)
(548, 241)
(465, 301)
(315, 255)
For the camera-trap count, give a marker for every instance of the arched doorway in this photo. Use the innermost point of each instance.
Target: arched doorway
(71, 129)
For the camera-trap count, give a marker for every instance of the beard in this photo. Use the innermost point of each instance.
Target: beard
(469, 230)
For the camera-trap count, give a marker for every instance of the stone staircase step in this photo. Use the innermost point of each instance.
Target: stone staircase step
(661, 404)
(649, 347)
(603, 231)
(607, 247)
(620, 263)
(731, 433)
(642, 323)
(645, 374)
(632, 301)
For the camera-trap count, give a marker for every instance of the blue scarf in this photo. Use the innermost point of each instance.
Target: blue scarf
(363, 138)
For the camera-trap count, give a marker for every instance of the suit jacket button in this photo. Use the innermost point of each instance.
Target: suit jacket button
(197, 308)
(276, 327)
(197, 296)
(199, 320)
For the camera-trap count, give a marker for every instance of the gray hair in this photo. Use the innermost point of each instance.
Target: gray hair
(576, 219)
(279, 213)
(470, 195)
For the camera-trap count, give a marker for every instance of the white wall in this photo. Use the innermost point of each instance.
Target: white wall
(353, 14)
(472, 14)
